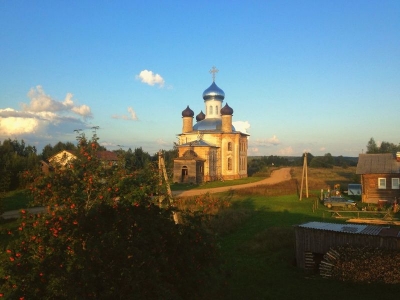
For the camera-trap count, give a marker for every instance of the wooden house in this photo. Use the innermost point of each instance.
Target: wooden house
(107, 158)
(314, 239)
(380, 177)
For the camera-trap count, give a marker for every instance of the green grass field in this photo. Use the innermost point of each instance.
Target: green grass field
(16, 200)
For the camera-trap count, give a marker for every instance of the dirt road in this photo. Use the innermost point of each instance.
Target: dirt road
(276, 177)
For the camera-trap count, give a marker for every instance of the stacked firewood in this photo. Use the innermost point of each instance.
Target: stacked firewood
(361, 264)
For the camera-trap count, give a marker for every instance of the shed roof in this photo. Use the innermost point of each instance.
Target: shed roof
(353, 228)
(383, 163)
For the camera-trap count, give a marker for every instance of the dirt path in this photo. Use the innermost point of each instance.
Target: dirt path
(276, 177)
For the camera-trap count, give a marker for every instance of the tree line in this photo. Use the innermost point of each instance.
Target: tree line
(384, 147)
(258, 165)
(17, 157)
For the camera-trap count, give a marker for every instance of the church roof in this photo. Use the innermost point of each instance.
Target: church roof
(198, 143)
(209, 124)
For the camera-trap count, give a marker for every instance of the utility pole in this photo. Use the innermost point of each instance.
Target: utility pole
(304, 174)
(163, 173)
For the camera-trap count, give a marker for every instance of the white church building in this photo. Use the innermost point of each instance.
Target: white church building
(211, 149)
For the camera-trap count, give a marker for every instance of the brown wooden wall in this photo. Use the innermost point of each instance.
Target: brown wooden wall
(372, 194)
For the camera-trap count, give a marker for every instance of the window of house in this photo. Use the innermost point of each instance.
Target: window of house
(229, 164)
(395, 183)
(381, 183)
(229, 146)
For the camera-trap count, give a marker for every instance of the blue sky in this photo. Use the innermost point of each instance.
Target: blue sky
(316, 76)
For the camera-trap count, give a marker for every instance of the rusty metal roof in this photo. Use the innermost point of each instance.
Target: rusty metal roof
(383, 163)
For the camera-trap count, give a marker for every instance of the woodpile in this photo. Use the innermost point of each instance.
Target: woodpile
(361, 264)
(328, 263)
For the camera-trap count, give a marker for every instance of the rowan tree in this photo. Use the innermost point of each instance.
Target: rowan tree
(101, 237)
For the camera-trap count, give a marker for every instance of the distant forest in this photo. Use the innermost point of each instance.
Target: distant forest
(17, 157)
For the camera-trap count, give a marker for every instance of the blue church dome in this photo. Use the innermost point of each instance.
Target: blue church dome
(213, 92)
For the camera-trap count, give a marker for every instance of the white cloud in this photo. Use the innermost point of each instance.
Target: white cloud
(132, 115)
(161, 142)
(269, 141)
(241, 126)
(286, 151)
(41, 102)
(43, 116)
(11, 124)
(253, 151)
(322, 149)
(150, 78)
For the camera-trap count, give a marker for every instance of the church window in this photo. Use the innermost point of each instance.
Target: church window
(211, 110)
(229, 146)
(230, 164)
(216, 109)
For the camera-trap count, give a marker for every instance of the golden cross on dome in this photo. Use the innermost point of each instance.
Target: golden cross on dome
(213, 71)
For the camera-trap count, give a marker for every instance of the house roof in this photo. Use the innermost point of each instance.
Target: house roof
(107, 155)
(66, 153)
(383, 163)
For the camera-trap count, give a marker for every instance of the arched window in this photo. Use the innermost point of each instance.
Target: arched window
(216, 109)
(229, 164)
(229, 146)
(211, 110)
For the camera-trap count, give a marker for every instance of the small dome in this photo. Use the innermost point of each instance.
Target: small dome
(201, 116)
(213, 92)
(226, 110)
(187, 112)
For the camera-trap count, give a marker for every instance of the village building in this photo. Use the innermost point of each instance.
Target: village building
(211, 149)
(380, 177)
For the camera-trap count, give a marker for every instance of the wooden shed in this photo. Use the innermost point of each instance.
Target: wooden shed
(380, 177)
(314, 239)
